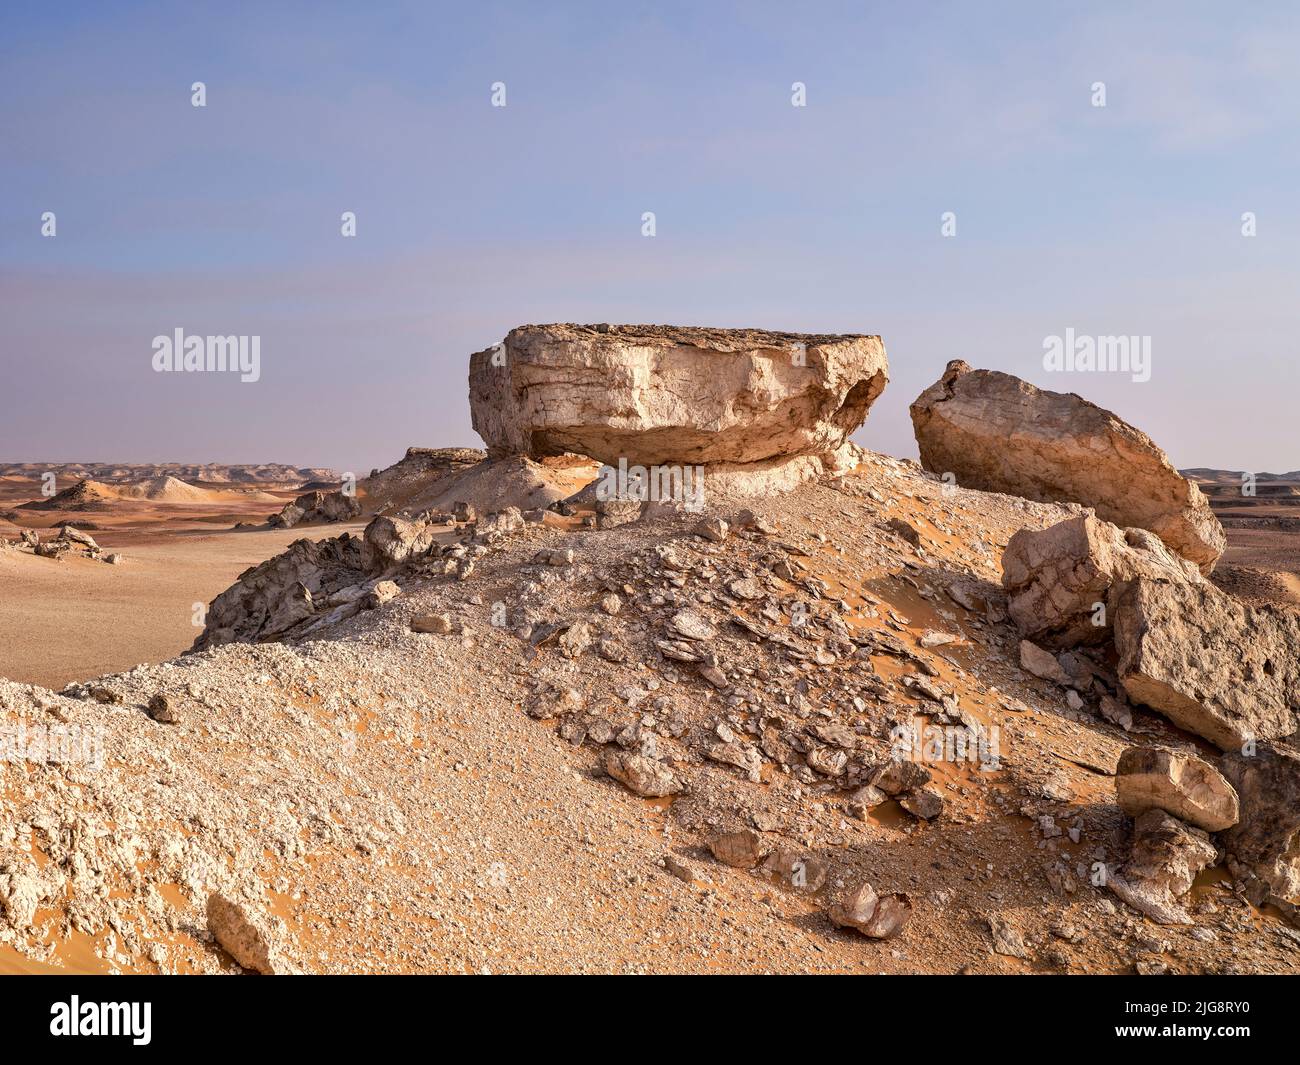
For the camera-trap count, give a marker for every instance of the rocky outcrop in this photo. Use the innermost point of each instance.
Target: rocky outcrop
(1187, 787)
(1264, 848)
(283, 592)
(317, 507)
(1166, 857)
(997, 433)
(664, 395)
(1218, 667)
(1060, 580)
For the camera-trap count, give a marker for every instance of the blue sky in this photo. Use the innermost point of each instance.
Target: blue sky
(471, 219)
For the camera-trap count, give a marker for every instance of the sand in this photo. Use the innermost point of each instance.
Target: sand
(79, 618)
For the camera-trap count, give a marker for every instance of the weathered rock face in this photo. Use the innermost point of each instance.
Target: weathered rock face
(998, 433)
(1267, 840)
(1218, 667)
(1056, 577)
(664, 395)
(1166, 858)
(283, 592)
(1189, 788)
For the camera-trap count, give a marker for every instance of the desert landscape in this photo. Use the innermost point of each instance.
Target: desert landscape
(669, 676)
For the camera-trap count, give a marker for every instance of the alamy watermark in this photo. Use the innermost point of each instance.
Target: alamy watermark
(1076, 353)
(40, 743)
(920, 741)
(657, 484)
(208, 354)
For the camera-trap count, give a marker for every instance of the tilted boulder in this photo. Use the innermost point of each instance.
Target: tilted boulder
(1266, 842)
(1178, 782)
(1165, 860)
(997, 433)
(1223, 669)
(667, 395)
(1055, 578)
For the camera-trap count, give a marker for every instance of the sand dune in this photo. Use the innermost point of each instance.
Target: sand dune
(98, 495)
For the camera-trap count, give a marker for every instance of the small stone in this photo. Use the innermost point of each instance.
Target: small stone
(1007, 940)
(161, 710)
(247, 937)
(875, 916)
(742, 849)
(714, 529)
(381, 593)
(679, 869)
(1033, 659)
(644, 776)
(925, 803)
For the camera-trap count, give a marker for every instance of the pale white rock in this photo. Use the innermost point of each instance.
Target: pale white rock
(995, 432)
(666, 395)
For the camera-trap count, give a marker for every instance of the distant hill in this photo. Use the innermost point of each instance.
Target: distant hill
(97, 495)
(210, 473)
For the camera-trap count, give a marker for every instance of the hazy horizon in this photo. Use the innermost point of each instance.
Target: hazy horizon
(1122, 220)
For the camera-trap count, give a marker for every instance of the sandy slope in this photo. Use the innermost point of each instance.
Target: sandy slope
(386, 795)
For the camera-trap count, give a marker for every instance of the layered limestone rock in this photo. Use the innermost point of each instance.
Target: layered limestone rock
(1265, 845)
(665, 395)
(1060, 581)
(997, 433)
(1220, 668)
(1189, 788)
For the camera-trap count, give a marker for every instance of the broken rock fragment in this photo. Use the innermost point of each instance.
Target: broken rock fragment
(1059, 580)
(1265, 843)
(1166, 857)
(742, 849)
(1225, 670)
(1178, 782)
(248, 937)
(875, 916)
(645, 776)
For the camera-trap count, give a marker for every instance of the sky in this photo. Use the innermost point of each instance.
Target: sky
(1123, 219)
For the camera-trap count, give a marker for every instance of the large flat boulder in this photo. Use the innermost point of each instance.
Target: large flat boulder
(667, 395)
(1178, 782)
(1059, 580)
(1223, 669)
(1265, 844)
(997, 433)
